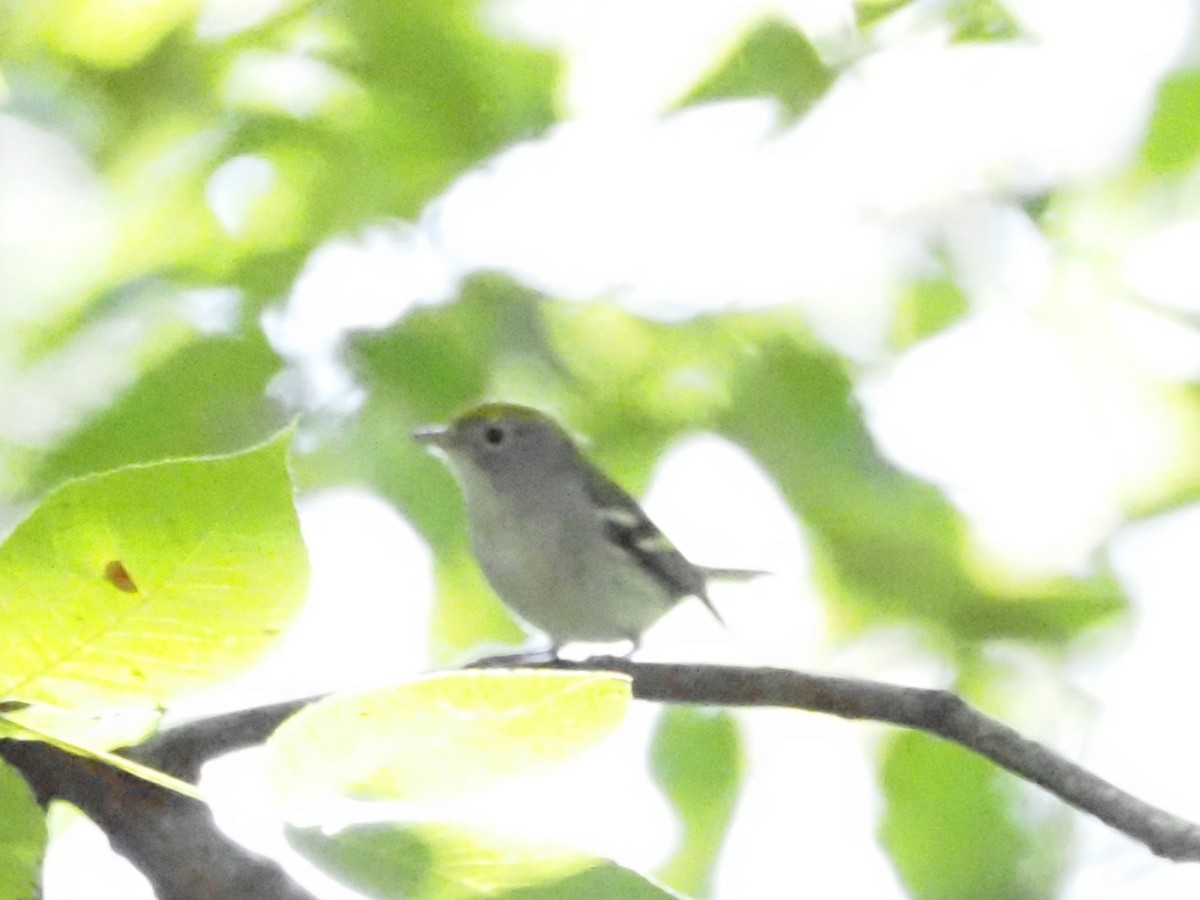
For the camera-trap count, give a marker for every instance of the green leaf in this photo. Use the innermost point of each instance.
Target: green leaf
(206, 398)
(870, 12)
(22, 837)
(138, 770)
(890, 546)
(635, 385)
(430, 862)
(437, 360)
(1173, 140)
(981, 20)
(449, 862)
(431, 91)
(445, 734)
(951, 827)
(775, 60)
(696, 758)
(131, 586)
(926, 308)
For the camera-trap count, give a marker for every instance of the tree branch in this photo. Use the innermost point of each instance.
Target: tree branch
(183, 749)
(935, 712)
(171, 839)
(939, 713)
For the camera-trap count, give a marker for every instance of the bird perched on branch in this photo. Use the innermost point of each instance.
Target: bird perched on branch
(567, 549)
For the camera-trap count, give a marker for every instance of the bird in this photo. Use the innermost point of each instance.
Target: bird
(567, 549)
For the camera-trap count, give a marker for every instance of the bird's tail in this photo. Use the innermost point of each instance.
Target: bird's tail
(732, 574)
(726, 575)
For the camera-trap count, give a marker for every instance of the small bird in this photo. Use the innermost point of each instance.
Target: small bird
(569, 551)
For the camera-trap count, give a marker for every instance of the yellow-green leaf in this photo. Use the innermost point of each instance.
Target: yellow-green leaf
(137, 769)
(129, 587)
(444, 734)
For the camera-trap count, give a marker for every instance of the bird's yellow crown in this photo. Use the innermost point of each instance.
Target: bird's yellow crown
(504, 412)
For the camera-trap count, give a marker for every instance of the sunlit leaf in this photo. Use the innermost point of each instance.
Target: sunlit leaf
(449, 862)
(444, 734)
(22, 837)
(9, 723)
(112, 727)
(113, 34)
(128, 587)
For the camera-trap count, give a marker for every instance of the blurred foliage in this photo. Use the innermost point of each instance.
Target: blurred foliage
(22, 837)
(392, 102)
(892, 547)
(444, 735)
(409, 94)
(697, 760)
(926, 308)
(941, 796)
(1173, 141)
(448, 862)
(431, 365)
(869, 12)
(207, 397)
(441, 737)
(981, 20)
(773, 61)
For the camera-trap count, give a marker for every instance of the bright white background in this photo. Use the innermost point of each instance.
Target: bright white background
(1041, 414)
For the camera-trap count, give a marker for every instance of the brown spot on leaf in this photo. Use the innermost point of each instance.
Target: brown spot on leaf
(118, 576)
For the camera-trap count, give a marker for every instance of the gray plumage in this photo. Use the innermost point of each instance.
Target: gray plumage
(562, 545)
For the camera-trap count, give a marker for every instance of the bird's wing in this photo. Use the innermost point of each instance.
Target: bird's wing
(629, 528)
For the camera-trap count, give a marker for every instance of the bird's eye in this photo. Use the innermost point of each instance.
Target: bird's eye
(494, 435)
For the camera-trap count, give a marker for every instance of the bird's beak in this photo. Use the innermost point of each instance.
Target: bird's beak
(432, 435)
